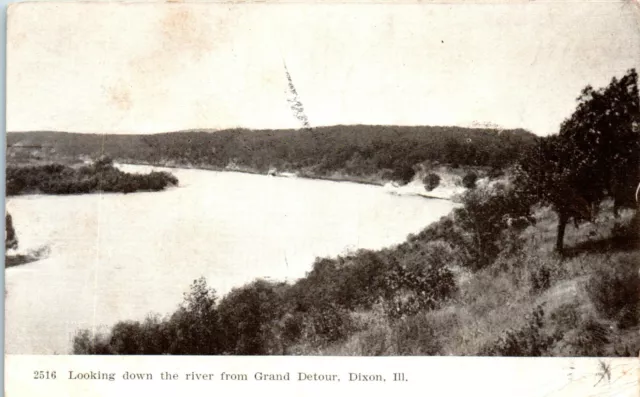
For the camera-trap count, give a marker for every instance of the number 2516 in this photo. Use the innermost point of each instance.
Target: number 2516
(44, 374)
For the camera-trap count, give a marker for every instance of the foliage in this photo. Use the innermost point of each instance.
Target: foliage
(540, 279)
(485, 215)
(10, 238)
(193, 329)
(614, 290)
(596, 153)
(578, 334)
(469, 180)
(415, 336)
(529, 340)
(417, 288)
(326, 323)
(431, 181)
(249, 316)
(100, 176)
(322, 151)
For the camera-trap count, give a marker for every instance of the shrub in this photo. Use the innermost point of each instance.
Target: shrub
(469, 180)
(196, 324)
(10, 238)
(327, 323)
(413, 289)
(614, 289)
(579, 334)
(566, 317)
(249, 316)
(431, 181)
(375, 341)
(588, 339)
(482, 220)
(540, 279)
(415, 336)
(403, 173)
(193, 329)
(529, 340)
(86, 343)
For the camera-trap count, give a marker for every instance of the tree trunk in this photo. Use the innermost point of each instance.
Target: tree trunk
(562, 224)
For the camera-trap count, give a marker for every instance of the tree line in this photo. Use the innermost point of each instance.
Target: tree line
(387, 152)
(595, 155)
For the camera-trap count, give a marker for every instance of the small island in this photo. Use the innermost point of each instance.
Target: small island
(100, 176)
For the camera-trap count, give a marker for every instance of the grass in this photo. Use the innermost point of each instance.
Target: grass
(499, 302)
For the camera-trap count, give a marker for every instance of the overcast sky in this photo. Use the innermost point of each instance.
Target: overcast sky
(143, 68)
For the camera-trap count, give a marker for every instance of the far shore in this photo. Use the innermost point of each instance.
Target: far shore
(243, 170)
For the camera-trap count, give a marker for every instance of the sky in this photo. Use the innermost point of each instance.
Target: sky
(147, 68)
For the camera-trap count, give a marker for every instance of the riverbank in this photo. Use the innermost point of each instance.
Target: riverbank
(449, 189)
(18, 259)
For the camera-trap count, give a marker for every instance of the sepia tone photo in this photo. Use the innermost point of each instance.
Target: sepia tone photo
(353, 179)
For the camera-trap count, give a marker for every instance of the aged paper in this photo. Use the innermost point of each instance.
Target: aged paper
(215, 181)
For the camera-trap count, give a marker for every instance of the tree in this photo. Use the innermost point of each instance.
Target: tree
(431, 181)
(469, 180)
(595, 154)
(249, 315)
(196, 325)
(485, 214)
(403, 172)
(10, 239)
(604, 131)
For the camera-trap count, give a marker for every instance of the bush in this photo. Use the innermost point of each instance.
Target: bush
(403, 173)
(588, 339)
(327, 323)
(614, 289)
(469, 180)
(249, 316)
(579, 334)
(10, 238)
(413, 289)
(529, 340)
(86, 343)
(482, 220)
(196, 324)
(193, 329)
(415, 336)
(431, 181)
(566, 317)
(375, 341)
(540, 279)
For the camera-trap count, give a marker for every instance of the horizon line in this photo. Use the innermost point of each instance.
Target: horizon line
(301, 129)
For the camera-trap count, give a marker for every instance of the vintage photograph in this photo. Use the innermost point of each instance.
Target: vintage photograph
(323, 179)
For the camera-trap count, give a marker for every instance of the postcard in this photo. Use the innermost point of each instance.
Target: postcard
(305, 198)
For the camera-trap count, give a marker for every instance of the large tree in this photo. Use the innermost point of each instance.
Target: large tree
(604, 132)
(596, 154)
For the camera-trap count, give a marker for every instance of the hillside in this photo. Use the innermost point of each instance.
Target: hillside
(425, 296)
(365, 153)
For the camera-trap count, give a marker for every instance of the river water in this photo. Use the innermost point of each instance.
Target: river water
(115, 257)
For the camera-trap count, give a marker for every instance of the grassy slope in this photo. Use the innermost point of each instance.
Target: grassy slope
(503, 296)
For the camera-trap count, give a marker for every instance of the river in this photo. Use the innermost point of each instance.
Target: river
(116, 257)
